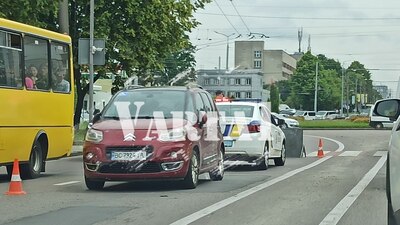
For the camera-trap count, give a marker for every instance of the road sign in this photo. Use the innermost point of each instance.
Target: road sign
(99, 51)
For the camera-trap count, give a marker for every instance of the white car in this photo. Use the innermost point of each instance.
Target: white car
(323, 115)
(250, 135)
(307, 115)
(390, 109)
(289, 123)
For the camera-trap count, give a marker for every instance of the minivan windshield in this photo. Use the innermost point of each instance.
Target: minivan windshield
(146, 104)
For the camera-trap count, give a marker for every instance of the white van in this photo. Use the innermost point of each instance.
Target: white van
(379, 122)
(323, 115)
(308, 115)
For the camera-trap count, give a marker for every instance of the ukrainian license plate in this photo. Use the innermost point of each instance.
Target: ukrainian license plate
(128, 156)
(228, 143)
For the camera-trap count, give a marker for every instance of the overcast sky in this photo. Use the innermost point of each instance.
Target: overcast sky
(364, 30)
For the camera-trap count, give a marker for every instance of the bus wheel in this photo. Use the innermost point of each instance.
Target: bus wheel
(33, 168)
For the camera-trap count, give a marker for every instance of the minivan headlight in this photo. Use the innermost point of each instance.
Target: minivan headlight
(94, 136)
(178, 134)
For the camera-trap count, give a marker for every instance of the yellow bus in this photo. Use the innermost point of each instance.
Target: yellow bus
(36, 97)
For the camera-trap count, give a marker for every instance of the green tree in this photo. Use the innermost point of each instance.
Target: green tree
(176, 63)
(274, 98)
(302, 83)
(140, 35)
(41, 13)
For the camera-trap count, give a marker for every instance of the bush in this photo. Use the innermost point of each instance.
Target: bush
(361, 119)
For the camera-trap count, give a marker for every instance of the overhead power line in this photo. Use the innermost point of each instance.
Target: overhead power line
(241, 18)
(306, 18)
(216, 2)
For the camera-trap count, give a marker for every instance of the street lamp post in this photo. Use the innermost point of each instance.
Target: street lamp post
(227, 46)
(341, 100)
(316, 89)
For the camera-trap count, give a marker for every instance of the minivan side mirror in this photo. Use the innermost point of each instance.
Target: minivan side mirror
(388, 108)
(203, 119)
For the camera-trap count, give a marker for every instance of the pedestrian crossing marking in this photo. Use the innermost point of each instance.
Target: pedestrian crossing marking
(380, 153)
(350, 153)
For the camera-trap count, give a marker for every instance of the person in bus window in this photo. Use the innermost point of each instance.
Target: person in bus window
(3, 78)
(31, 77)
(60, 84)
(43, 77)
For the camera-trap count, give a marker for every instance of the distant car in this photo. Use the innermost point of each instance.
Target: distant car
(153, 133)
(307, 115)
(390, 108)
(285, 109)
(289, 123)
(324, 115)
(251, 134)
(378, 122)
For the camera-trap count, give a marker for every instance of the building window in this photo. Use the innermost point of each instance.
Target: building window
(206, 81)
(257, 64)
(237, 81)
(237, 94)
(248, 94)
(257, 54)
(248, 81)
(217, 81)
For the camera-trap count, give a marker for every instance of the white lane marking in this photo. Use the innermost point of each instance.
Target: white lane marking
(341, 208)
(341, 145)
(66, 183)
(221, 204)
(350, 153)
(315, 153)
(380, 153)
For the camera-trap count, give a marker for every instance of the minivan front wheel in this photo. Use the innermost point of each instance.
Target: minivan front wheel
(94, 184)
(192, 176)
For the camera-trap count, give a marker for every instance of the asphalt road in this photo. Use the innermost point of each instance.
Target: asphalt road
(347, 186)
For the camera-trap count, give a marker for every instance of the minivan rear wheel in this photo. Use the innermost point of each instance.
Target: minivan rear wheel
(217, 174)
(192, 176)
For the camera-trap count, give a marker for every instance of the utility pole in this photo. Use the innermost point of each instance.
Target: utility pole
(227, 46)
(91, 52)
(63, 16)
(341, 100)
(316, 88)
(355, 96)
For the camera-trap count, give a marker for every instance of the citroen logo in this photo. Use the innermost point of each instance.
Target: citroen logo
(129, 137)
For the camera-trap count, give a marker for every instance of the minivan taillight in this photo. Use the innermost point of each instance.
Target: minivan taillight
(254, 126)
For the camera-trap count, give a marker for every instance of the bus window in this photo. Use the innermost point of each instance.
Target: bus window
(60, 68)
(10, 60)
(36, 55)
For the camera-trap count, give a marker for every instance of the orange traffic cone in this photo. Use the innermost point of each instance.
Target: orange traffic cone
(16, 182)
(320, 151)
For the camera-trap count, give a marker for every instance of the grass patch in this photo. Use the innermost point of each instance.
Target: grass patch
(334, 124)
(81, 132)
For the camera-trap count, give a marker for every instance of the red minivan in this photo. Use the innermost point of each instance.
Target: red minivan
(152, 133)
